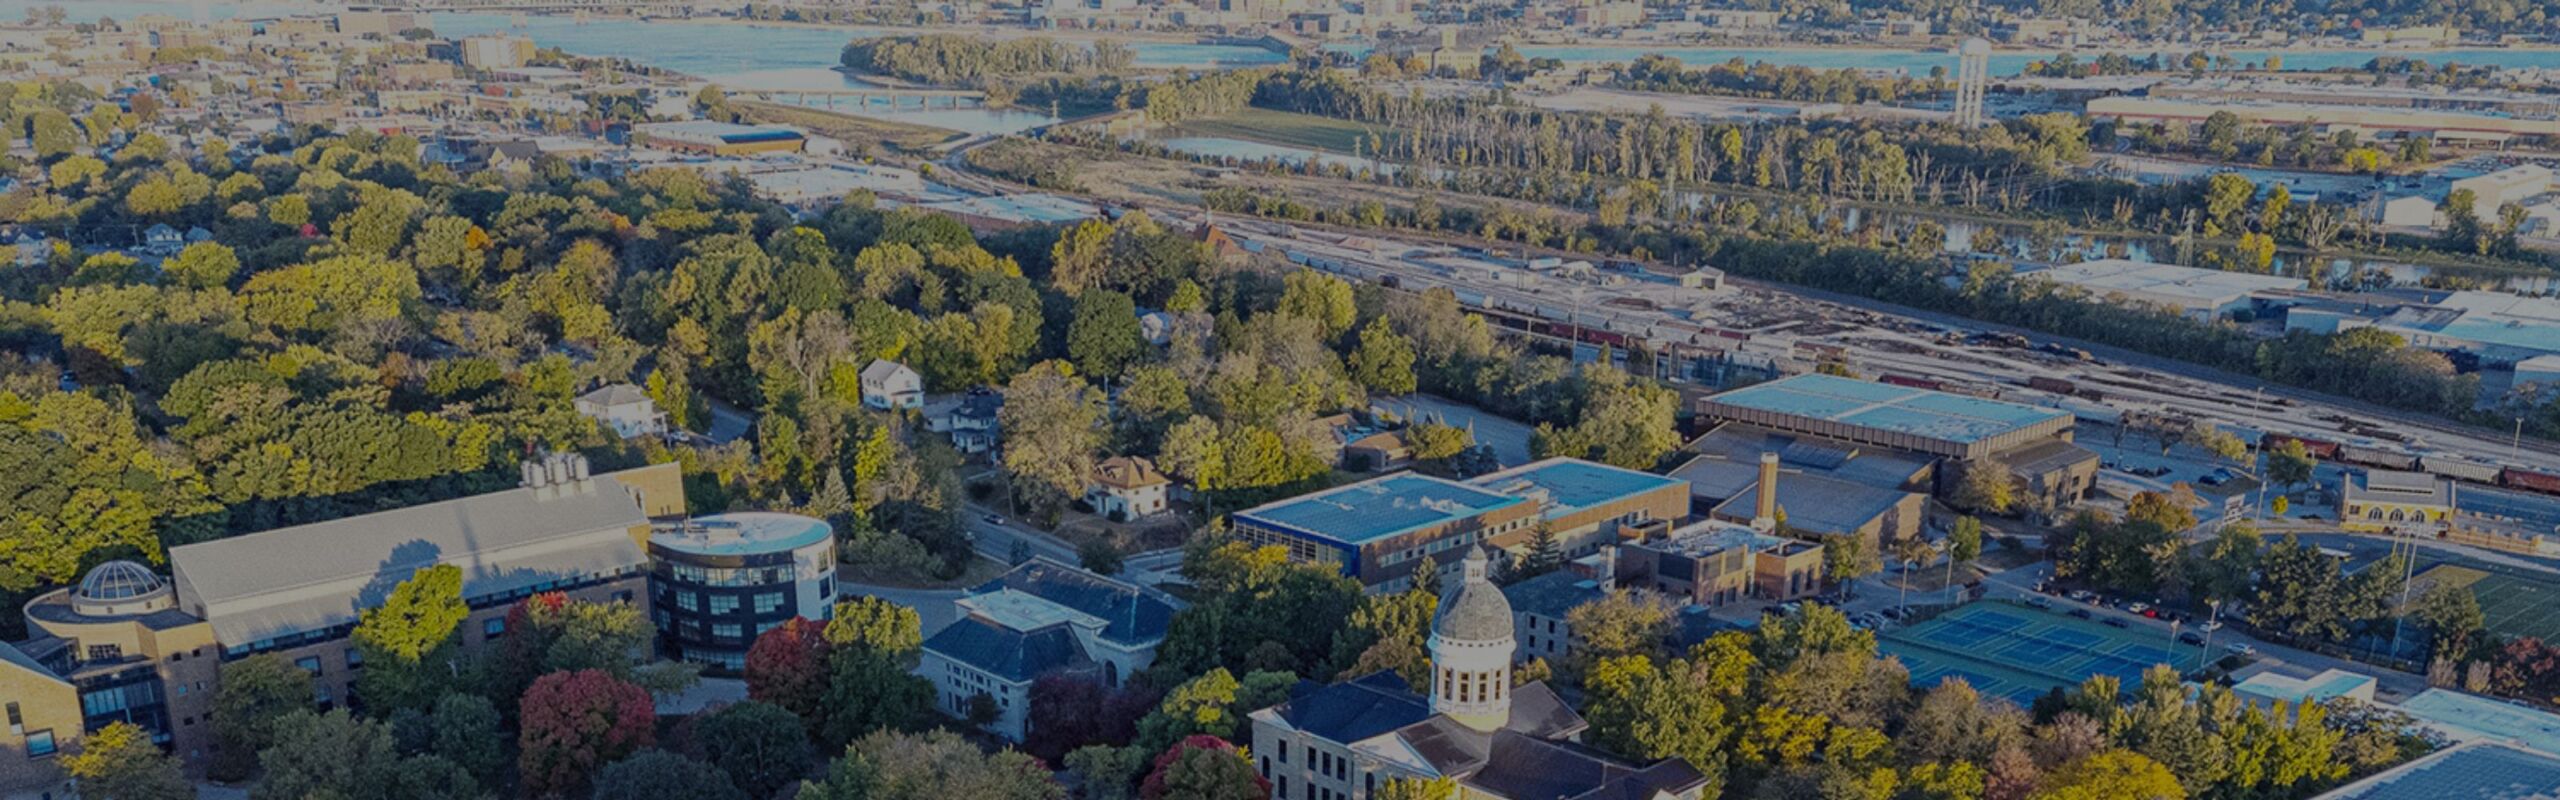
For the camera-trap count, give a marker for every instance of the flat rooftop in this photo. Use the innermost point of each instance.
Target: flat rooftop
(1572, 484)
(745, 533)
(1378, 508)
(2330, 683)
(1898, 409)
(2468, 717)
(1032, 208)
(2470, 771)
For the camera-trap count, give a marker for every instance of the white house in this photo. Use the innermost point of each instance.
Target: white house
(163, 240)
(888, 385)
(1124, 488)
(1042, 618)
(625, 409)
(33, 250)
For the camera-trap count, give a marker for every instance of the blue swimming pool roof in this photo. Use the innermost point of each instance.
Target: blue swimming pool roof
(1573, 484)
(1900, 409)
(1377, 508)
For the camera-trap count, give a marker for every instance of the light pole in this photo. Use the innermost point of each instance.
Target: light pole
(2212, 621)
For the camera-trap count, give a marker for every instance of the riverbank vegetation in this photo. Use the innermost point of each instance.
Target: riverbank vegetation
(953, 59)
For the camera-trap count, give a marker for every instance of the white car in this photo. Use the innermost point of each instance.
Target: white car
(2242, 648)
(2210, 625)
(2138, 607)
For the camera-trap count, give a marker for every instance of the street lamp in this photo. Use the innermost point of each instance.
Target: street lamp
(2213, 620)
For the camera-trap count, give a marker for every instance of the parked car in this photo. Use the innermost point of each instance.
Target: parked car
(2081, 594)
(995, 519)
(2137, 607)
(2039, 603)
(2080, 612)
(2211, 625)
(2191, 637)
(2241, 648)
(2117, 622)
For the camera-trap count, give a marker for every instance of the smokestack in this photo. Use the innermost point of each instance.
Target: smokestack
(1764, 517)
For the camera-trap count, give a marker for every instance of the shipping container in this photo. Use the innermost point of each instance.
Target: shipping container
(2320, 449)
(2377, 457)
(2054, 385)
(2529, 480)
(2459, 468)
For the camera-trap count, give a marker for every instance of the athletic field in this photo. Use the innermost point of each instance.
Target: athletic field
(2014, 651)
(2513, 602)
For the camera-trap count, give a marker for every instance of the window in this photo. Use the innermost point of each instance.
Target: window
(355, 658)
(310, 664)
(18, 724)
(492, 628)
(40, 744)
(727, 630)
(724, 603)
(767, 602)
(688, 602)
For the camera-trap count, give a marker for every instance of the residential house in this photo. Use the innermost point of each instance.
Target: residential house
(971, 421)
(1124, 488)
(163, 240)
(888, 385)
(624, 409)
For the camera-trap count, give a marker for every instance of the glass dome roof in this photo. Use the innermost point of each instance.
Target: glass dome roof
(119, 580)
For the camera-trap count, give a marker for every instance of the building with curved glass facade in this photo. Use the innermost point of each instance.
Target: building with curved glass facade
(721, 580)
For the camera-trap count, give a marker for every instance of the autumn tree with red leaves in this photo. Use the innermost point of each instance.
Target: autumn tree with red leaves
(1204, 767)
(1071, 711)
(577, 722)
(787, 666)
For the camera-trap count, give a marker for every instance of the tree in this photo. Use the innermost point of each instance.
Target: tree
(659, 775)
(930, 766)
(408, 641)
(1418, 789)
(2112, 775)
(465, 729)
(119, 762)
(1620, 623)
(1103, 339)
(1214, 704)
(2450, 614)
(870, 690)
(1964, 544)
(1988, 487)
(2223, 444)
(1647, 713)
(1384, 360)
(1319, 297)
(876, 625)
(760, 746)
(1846, 557)
(202, 265)
(253, 694)
(2290, 464)
(787, 667)
(576, 722)
(1072, 711)
(338, 755)
(1204, 768)
(1052, 422)
(1100, 556)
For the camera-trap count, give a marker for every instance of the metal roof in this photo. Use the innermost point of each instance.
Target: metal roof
(1572, 484)
(1378, 508)
(1898, 409)
(313, 577)
(2471, 771)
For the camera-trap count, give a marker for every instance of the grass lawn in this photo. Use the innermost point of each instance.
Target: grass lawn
(2513, 603)
(1287, 128)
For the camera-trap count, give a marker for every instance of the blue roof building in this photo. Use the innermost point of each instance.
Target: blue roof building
(1382, 529)
(2470, 771)
(1903, 417)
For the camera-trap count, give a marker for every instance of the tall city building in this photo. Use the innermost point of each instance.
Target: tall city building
(1973, 72)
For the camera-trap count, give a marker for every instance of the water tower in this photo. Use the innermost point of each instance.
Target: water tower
(1973, 72)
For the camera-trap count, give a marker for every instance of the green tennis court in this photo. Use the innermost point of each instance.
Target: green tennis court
(2018, 652)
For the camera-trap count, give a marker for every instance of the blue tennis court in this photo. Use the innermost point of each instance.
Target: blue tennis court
(2014, 651)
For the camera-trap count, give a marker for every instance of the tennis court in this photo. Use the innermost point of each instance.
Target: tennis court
(2010, 650)
(2512, 603)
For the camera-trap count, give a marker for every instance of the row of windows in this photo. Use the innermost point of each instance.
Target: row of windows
(728, 576)
(336, 632)
(1447, 543)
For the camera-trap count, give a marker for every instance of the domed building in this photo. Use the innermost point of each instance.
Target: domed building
(1342, 741)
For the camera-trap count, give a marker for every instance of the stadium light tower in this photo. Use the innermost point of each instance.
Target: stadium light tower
(1973, 73)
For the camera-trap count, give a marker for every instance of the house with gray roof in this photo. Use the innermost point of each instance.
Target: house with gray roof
(624, 409)
(1041, 618)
